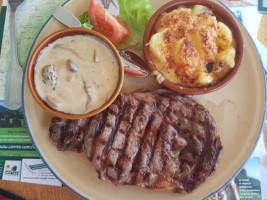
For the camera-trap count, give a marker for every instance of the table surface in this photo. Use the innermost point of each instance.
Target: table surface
(37, 191)
(32, 191)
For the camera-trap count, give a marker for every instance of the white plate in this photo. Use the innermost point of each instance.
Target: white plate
(238, 109)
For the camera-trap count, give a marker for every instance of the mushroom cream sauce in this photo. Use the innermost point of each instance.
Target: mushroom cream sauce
(76, 74)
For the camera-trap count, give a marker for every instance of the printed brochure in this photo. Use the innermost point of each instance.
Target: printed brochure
(19, 160)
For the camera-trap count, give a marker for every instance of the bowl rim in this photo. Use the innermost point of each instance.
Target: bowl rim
(223, 15)
(53, 37)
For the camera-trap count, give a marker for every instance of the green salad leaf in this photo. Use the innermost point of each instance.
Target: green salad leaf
(85, 21)
(136, 14)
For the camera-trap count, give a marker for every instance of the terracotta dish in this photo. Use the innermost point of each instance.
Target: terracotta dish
(222, 15)
(50, 39)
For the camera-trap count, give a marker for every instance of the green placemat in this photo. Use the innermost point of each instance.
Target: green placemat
(2, 23)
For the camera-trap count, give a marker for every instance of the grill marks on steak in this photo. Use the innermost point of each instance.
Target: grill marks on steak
(148, 146)
(134, 140)
(68, 134)
(160, 141)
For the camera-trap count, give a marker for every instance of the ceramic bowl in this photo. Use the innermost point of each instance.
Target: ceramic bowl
(222, 15)
(50, 39)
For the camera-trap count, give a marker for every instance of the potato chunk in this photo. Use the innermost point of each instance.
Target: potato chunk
(227, 57)
(176, 18)
(224, 36)
(204, 78)
(199, 9)
(184, 53)
(158, 45)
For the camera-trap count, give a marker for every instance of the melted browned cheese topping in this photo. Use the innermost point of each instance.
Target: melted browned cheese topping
(191, 48)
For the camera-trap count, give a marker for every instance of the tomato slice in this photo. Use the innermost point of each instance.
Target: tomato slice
(129, 71)
(114, 28)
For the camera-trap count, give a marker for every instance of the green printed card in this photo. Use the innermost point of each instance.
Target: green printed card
(14, 138)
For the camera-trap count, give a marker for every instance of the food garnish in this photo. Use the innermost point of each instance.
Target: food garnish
(113, 27)
(85, 21)
(125, 30)
(136, 14)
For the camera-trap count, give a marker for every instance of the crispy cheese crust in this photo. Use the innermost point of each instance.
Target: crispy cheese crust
(187, 40)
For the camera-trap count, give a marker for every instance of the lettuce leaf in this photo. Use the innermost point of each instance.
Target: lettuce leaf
(85, 21)
(136, 14)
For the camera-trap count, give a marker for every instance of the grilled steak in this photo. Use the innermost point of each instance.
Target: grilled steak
(158, 141)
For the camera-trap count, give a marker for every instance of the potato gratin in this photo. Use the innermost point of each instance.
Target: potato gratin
(191, 48)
